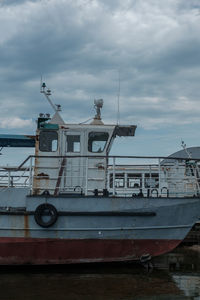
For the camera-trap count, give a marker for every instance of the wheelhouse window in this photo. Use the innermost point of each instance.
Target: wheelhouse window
(97, 141)
(48, 141)
(73, 143)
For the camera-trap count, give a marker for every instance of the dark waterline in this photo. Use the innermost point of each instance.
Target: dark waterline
(175, 276)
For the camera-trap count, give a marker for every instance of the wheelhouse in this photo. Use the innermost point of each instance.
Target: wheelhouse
(74, 157)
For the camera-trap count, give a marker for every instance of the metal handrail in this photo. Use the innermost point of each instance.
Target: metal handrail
(113, 169)
(108, 156)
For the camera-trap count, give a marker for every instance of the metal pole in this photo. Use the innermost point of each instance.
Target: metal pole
(8, 178)
(30, 174)
(86, 178)
(114, 192)
(150, 180)
(159, 179)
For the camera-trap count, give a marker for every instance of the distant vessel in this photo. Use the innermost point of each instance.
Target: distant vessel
(69, 210)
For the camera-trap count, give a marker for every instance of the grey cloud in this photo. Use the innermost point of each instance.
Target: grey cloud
(13, 2)
(79, 46)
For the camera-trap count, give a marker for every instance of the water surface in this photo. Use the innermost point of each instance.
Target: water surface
(175, 276)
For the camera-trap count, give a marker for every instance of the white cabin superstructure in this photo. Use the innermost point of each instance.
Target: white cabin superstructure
(73, 158)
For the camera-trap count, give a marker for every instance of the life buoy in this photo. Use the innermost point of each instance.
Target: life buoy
(46, 215)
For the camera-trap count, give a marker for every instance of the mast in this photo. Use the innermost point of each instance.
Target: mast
(56, 107)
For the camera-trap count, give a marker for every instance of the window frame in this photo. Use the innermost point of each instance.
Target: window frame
(90, 140)
(42, 142)
(69, 148)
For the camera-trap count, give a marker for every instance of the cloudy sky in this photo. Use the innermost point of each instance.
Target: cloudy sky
(80, 47)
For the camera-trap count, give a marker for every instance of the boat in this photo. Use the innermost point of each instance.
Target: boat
(66, 211)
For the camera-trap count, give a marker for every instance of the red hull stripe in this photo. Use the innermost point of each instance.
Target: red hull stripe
(57, 251)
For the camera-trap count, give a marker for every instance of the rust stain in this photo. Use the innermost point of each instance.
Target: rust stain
(101, 167)
(64, 127)
(42, 176)
(36, 192)
(31, 136)
(60, 176)
(26, 226)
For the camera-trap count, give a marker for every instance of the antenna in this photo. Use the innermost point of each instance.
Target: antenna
(41, 84)
(47, 93)
(185, 148)
(118, 99)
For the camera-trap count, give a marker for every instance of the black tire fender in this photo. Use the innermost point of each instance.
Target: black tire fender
(45, 209)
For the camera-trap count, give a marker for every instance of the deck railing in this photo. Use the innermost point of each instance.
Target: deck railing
(123, 175)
